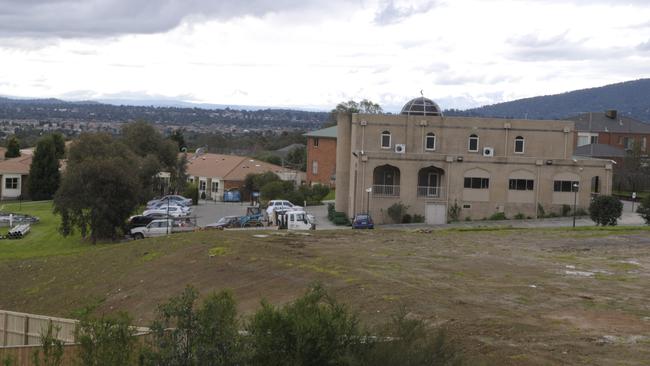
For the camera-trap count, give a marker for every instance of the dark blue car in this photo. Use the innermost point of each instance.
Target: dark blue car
(363, 221)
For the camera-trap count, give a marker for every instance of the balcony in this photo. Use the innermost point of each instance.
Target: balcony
(380, 190)
(433, 192)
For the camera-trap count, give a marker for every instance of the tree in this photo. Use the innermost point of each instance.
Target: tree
(98, 191)
(605, 210)
(13, 148)
(186, 334)
(179, 139)
(365, 106)
(44, 176)
(644, 209)
(146, 142)
(59, 144)
(633, 173)
(107, 341)
(297, 158)
(313, 330)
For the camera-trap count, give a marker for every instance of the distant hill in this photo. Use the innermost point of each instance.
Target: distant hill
(630, 98)
(51, 109)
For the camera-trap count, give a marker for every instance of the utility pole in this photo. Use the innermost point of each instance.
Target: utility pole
(575, 187)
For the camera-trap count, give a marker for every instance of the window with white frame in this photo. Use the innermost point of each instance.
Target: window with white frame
(519, 145)
(586, 138)
(215, 186)
(472, 144)
(385, 140)
(430, 141)
(11, 183)
(202, 184)
(314, 167)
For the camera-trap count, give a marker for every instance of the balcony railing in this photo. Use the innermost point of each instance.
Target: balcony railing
(426, 191)
(381, 190)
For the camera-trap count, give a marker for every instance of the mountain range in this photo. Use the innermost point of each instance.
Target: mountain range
(631, 98)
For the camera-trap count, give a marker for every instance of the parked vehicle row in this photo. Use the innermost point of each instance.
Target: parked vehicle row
(173, 199)
(161, 227)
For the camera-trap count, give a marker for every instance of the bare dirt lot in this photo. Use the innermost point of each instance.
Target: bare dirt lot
(509, 297)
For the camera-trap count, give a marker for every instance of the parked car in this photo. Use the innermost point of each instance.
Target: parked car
(225, 223)
(363, 221)
(139, 220)
(280, 205)
(173, 211)
(162, 227)
(172, 199)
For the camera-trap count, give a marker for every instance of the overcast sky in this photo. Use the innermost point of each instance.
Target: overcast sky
(316, 53)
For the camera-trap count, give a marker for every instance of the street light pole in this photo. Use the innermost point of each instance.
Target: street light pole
(368, 191)
(575, 187)
(167, 223)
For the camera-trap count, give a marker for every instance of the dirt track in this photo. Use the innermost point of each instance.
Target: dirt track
(511, 297)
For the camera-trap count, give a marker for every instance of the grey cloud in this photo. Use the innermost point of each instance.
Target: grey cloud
(390, 13)
(103, 18)
(645, 46)
(533, 48)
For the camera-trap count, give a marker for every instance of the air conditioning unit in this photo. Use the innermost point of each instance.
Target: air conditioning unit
(488, 151)
(400, 148)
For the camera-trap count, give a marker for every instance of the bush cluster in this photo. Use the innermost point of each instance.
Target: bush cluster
(336, 217)
(605, 210)
(313, 330)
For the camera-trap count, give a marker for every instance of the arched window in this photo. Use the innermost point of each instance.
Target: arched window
(519, 145)
(472, 144)
(430, 141)
(385, 140)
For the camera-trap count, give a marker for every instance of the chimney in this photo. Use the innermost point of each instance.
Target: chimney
(611, 113)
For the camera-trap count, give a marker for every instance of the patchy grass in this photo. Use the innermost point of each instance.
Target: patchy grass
(218, 251)
(44, 239)
(330, 196)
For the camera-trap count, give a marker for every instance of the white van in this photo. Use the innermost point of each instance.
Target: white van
(296, 220)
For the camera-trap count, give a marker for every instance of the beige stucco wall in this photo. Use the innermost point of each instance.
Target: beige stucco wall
(547, 157)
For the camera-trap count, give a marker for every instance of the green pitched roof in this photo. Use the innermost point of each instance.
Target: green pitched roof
(329, 132)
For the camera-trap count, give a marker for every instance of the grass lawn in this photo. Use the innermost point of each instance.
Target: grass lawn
(330, 196)
(43, 239)
(639, 195)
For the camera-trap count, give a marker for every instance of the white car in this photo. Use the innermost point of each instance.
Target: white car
(280, 205)
(154, 228)
(173, 211)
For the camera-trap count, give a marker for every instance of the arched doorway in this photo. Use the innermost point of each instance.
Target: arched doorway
(429, 182)
(385, 180)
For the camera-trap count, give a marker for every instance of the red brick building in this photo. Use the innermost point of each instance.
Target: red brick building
(609, 133)
(321, 156)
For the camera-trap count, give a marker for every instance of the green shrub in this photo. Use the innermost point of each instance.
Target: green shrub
(644, 209)
(468, 218)
(551, 215)
(340, 218)
(581, 212)
(51, 348)
(313, 330)
(605, 210)
(186, 334)
(498, 216)
(540, 211)
(106, 341)
(203, 195)
(397, 211)
(407, 219)
(418, 218)
(192, 191)
(565, 210)
(519, 216)
(409, 342)
(454, 212)
(8, 361)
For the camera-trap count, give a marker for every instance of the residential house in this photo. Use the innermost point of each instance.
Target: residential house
(217, 173)
(13, 177)
(610, 128)
(321, 156)
(442, 167)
